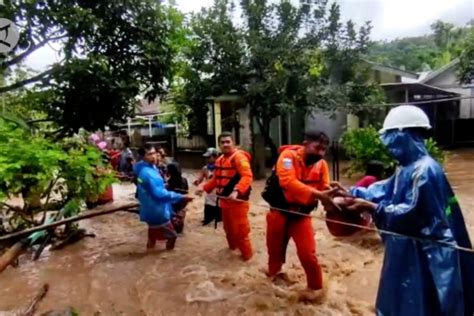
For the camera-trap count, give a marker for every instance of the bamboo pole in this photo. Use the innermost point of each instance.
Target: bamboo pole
(30, 310)
(12, 254)
(91, 214)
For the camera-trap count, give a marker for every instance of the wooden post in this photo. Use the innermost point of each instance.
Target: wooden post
(150, 131)
(217, 121)
(259, 157)
(129, 129)
(290, 141)
(12, 254)
(280, 131)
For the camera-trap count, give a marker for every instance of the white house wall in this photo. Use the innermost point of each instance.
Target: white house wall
(449, 81)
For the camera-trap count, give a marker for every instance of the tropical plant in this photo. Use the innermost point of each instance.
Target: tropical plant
(46, 176)
(285, 57)
(466, 60)
(364, 145)
(113, 51)
(427, 52)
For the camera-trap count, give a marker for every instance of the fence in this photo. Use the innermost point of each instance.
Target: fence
(196, 142)
(454, 132)
(335, 153)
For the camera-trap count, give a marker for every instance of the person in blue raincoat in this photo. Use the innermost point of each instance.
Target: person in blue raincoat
(419, 277)
(156, 202)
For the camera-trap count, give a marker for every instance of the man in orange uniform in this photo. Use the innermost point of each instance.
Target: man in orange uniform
(303, 176)
(232, 180)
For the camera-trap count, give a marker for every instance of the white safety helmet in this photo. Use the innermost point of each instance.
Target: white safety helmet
(405, 116)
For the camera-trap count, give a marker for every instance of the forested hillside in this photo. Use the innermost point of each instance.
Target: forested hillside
(424, 53)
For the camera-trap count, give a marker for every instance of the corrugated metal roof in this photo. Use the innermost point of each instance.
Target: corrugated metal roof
(418, 88)
(441, 70)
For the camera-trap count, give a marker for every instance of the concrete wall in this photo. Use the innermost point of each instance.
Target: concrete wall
(297, 126)
(245, 132)
(378, 76)
(334, 127)
(449, 81)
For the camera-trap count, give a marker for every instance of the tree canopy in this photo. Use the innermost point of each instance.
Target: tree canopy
(111, 51)
(466, 60)
(282, 57)
(423, 53)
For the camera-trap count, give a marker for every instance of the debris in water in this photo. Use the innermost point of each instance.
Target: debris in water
(194, 270)
(206, 292)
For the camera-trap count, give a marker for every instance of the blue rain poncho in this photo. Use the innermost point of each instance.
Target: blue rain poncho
(420, 278)
(155, 201)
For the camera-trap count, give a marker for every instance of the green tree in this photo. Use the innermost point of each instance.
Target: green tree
(423, 53)
(46, 175)
(466, 60)
(211, 63)
(364, 145)
(307, 60)
(113, 51)
(284, 57)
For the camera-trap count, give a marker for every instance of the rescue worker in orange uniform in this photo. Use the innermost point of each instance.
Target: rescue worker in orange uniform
(303, 177)
(232, 181)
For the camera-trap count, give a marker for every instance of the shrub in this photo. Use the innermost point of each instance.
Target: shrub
(363, 145)
(47, 175)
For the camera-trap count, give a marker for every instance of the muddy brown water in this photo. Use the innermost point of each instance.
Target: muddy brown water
(112, 274)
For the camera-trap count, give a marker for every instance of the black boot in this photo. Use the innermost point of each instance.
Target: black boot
(209, 214)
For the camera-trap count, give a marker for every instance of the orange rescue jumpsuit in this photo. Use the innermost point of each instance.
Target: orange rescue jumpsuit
(234, 213)
(298, 182)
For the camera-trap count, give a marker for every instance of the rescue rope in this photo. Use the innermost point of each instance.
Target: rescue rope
(372, 229)
(429, 101)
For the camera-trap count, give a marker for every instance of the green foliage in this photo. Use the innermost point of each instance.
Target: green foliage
(434, 150)
(285, 57)
(466, 60)
(47, 175)
(211, 64)
(363, 145)
(423, 53)
(113, 51)
(412, 54)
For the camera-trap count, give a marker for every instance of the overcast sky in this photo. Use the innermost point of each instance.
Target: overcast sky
(390, 18)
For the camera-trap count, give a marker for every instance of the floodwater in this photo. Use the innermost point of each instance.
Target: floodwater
(112, 274)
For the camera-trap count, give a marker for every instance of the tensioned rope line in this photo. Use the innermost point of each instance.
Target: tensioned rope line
(414, 102)
(377, 230)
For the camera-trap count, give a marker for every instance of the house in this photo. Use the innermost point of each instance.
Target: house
(290, 129)
(441, 106)
(446, 78)
(229, 113)
(148, 119)
(147, 126)
(448, 104)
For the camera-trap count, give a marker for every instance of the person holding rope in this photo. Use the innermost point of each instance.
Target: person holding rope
(300, 179)
(177, 183)
(232, 180)
(156, 201)
(420, 276)
(212, 211)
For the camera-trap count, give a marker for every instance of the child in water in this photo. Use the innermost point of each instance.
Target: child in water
(177, 183)
(374, 172)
